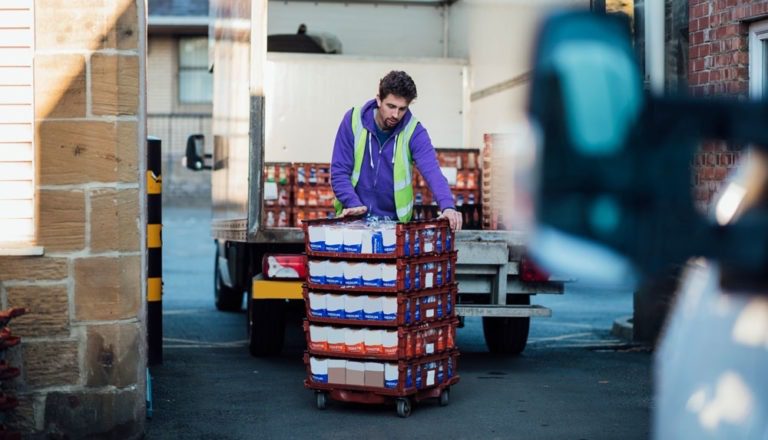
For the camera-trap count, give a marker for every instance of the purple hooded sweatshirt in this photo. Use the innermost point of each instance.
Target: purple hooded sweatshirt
(375, 188)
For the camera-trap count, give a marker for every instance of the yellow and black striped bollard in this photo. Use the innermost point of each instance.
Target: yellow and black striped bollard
(154, 253)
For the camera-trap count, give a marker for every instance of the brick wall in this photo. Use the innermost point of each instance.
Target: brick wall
(719, 65)
(83, 353)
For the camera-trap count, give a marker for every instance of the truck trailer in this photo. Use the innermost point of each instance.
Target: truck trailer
(275, 111)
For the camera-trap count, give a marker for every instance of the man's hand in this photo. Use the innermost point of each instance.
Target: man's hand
(358, 210)
(454, 218)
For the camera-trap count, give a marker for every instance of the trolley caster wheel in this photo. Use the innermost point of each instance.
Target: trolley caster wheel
(445, 396)
(403, 407)
(321, 400)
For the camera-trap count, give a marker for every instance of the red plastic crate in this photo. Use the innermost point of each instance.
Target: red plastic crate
(416, 238)
(422, 378)
(413, 274)
(459, 158)
(472, 215)
(422, 196)
(412, 309)
(466, 197)
(467, 180)
(279, 172)
(312, 173)
(276, 217)
(313, 196)
(283, 197)
(302, 214)
(412, 342)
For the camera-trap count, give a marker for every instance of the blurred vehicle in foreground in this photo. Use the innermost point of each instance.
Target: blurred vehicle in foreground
(614, 202)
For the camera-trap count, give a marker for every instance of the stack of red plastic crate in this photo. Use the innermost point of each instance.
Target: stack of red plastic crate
(302, 191)
(461, 166)
(312, 192)
(380, 302)
(294, 192)
(277, 195)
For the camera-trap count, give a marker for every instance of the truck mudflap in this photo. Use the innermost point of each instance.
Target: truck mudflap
(271, 289)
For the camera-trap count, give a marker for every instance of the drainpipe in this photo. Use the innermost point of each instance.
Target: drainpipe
(446, 17)
(654, 45)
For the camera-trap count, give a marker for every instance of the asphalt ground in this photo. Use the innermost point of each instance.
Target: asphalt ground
(575, 380)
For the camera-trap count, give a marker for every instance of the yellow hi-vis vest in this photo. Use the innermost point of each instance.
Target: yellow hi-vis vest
(403, 181)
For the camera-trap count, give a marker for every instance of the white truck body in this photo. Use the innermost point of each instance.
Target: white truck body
(282, 107)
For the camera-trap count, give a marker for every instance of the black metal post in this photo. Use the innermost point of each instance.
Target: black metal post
(154, 253)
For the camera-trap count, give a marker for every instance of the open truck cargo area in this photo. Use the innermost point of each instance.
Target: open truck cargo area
(283, 109)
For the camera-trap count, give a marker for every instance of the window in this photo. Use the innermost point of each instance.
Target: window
(758, 59)
(195, 83)
(17, 152)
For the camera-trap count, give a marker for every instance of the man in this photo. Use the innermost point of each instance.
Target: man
(375, 148)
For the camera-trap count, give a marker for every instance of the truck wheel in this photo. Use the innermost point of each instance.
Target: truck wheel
(507, 335)
(266, 326)
(226, 298)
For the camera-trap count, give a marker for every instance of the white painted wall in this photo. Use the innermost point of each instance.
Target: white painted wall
(497, 36)
(307, 95)
(365, 29)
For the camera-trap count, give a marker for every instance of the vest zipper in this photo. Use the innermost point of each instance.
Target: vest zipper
(378, 159)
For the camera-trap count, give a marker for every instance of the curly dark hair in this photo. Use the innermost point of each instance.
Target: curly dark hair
(397, 83)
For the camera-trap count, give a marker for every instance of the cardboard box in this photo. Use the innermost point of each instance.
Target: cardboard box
(372, 340)
(374, 374)
(318, 338)
(319, 368)
(389, 341)
(336, 340)
(353, 306)
(355, 373)
(334, 305)
(317, 304)
(373, 307)
(337, 371)
(391, 375)
(354, 339)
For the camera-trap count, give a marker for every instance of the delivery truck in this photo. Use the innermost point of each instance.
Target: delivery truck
(276, 113)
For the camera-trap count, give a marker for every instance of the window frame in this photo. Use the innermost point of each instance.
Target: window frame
(180, 68)
(758, 45)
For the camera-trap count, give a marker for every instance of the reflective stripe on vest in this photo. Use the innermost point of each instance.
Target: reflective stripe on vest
(402, 177)
(360, 133)
(403, 181)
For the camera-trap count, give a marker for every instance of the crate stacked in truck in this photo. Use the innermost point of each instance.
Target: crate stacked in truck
(277, 195)
(312, 192)
(296, 191)
(461, 167)
(302, 191)
(381, 321)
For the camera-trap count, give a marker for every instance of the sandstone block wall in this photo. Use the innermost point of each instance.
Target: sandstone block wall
(83, 351)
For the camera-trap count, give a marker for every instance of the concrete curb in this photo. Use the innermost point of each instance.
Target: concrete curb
(622, 328)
